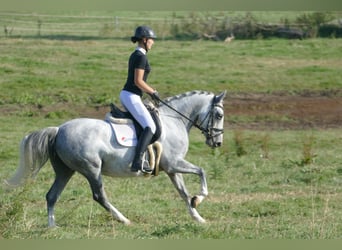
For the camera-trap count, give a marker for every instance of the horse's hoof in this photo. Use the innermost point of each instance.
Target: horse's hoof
(127, 223)
(54, 226)
(202, 221)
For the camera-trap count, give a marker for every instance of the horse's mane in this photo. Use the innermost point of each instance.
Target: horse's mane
(186, 94)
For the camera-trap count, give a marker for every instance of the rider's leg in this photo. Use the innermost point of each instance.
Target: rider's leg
(144, 141)
(135, 106)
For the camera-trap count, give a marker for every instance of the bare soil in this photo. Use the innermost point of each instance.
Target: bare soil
(283, 111)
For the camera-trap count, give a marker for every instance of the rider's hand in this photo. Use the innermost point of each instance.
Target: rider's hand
(155, 97)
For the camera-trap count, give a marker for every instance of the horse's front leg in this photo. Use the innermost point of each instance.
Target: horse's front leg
(197, 199)
(175, 174)
(186, 167)
(178, 182)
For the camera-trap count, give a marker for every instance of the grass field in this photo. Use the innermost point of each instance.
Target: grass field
(263, 183)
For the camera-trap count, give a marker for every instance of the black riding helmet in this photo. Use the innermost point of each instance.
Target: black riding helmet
(143, 32)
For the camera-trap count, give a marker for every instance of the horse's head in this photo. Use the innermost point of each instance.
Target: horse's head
(215, 122)
(207, 113)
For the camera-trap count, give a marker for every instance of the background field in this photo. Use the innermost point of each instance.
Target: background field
(277, 175)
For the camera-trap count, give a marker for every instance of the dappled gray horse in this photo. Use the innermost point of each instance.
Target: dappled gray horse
(89, 147)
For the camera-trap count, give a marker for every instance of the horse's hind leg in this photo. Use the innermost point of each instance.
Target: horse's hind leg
(63, 175)
(99, 195)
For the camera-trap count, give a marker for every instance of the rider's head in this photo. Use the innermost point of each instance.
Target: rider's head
(144, 35)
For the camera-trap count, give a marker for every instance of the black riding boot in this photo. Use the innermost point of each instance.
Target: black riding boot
(144, 141)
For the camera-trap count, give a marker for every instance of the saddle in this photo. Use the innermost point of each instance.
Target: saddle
(127, 131)
(119, 114)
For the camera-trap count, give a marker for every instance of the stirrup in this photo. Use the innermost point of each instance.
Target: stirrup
(144, 167)
(143, 170)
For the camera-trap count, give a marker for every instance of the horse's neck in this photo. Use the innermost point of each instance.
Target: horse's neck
(190, 105)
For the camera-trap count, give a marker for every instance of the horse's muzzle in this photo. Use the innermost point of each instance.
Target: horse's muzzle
(213, 144)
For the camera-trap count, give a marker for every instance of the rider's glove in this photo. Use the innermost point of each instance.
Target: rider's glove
(155, 97)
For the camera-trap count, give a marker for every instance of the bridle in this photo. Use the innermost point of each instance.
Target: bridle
(209, 131)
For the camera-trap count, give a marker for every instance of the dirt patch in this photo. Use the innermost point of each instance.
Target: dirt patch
(274, 111)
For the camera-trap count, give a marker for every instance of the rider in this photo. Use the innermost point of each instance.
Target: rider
(130, 95)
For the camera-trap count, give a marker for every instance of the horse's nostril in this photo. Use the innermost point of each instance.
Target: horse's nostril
(218, 144)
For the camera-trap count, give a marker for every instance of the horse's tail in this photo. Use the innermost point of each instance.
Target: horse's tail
(34, 153)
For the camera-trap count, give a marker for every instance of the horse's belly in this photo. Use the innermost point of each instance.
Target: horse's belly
(119, 163)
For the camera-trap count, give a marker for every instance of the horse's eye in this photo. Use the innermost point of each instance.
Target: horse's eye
(219, 116)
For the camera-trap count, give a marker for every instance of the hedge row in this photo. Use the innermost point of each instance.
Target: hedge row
(280, 31)
(317, 24)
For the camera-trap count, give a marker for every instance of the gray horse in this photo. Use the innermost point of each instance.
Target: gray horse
(89, 147)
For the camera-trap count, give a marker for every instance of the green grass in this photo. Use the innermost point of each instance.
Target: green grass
(285, 185)
(250, 197)
(44, 72)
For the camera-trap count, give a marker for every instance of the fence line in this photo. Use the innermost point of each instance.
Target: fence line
(56, 16)
(18, 24)
(21, 24)
(86, 16)
(47, 22)
(53, 30)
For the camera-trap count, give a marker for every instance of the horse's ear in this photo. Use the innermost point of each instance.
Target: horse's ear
(219, 98)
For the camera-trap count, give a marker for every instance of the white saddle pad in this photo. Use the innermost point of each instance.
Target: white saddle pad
(124, 131)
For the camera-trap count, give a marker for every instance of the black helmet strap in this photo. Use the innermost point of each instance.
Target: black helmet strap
(145, 44)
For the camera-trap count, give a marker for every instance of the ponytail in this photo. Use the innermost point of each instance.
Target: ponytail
(134, 39)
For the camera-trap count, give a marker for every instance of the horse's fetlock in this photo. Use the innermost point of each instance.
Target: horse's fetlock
(194, 202)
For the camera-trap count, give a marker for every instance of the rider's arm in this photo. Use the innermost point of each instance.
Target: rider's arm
(139, 81)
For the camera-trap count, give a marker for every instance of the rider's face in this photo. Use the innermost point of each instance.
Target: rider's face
(149, 43)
